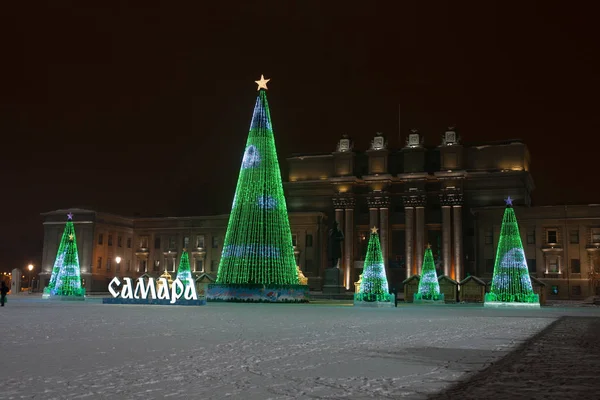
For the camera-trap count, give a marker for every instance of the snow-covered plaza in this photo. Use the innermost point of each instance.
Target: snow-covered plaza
(58, 350)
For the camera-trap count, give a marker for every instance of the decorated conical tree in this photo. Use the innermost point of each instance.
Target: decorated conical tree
(374, 284)
(68, 278)
(429, 287)
(258, 244)
(184, 273)
(511, 282)
(60, 254)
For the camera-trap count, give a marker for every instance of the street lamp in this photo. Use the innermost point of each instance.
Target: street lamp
(118, 260)
(30, 268)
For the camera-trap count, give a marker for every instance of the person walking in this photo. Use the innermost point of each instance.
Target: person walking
(3, 290)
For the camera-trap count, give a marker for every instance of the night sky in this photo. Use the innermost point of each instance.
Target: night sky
(144, 107)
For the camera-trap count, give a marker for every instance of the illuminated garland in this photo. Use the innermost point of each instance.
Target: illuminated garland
(374, 284)
(68, 278)
(184, 273)
(258, 244)
(511, 281)
(429, 287)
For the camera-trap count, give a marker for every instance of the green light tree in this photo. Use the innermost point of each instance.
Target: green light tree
(258, 244)
(511, 282)
(429, 287)
(60, 254)
(68, 278)
(373, 282)
(184, 273)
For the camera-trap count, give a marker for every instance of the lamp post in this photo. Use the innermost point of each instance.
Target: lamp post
(30, 268)
(118, 260)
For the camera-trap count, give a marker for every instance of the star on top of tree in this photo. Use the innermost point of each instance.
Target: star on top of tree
(508, 201)
(70, 216)
(71, 237)
(262, 83)
(184, 249)
(374, 229)
(429, 245)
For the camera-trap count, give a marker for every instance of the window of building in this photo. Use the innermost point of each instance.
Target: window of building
(576, 290)
(574, 236)
(186, 242)
(551, 236)
(553, 266)
(531, 237)
(596, 235)
(199, 266)
(215, 242)
(309, 239)
(99, 263)
(172, 242)
(128, 265)
(489, 236)
(157, 242)
(554, 290)
(294, 240)
(142, 266)
(531, 266)
(119, 241)
(214, 266)
(575, 266)
(199, 240)
(110, 240)
(489, 266)
(128, 243)
(100, 238)
(308, 266)
(108, 264)
(144, 242)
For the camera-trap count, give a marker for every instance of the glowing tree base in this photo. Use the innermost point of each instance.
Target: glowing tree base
(256, 293)
(524, 301)
(418, 298)
(374, 301)
(49, 296)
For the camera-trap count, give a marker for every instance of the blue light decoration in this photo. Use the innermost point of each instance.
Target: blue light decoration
(373, 290)
(511, 283)
(251, 157)
(429, 287)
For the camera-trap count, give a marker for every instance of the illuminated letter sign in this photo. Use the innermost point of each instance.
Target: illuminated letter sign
(146, 289)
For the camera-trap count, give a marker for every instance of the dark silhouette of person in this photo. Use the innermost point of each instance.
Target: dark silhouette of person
(3, 290)
(334, 248)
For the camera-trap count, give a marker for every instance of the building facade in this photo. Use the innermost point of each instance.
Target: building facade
(416, 196)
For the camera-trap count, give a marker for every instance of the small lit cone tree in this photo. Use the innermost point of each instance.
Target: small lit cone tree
(511, 284)
(429, 287)
(184, 273)
(68, 278)
(60, 254)
(258, 246)
(374, 284)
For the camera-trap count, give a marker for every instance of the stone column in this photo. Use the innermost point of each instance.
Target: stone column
(446, 239)
(409, 221)
(458, 251)
(338, 205)
(559, 261)
(420, 236)
(373, 214)
(349, 244)
(384, 232)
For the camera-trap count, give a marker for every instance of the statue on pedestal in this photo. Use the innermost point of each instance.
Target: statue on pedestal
(334, 245)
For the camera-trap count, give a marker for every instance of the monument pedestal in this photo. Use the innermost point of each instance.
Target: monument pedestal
(334, 281)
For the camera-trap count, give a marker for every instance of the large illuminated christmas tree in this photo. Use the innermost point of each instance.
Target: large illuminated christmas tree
(60, 254)
(67, 283)
(429, 287)
(258, 244)
(511, 284)
(184, 273)
(373, 281)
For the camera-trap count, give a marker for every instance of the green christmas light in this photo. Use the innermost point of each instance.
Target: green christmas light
(184, 273)
(429, 287)
(258, 244)
(66, 282)
(373, 284)
(511, 282)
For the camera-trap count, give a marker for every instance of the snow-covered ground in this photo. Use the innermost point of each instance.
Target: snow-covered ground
(251, 351)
